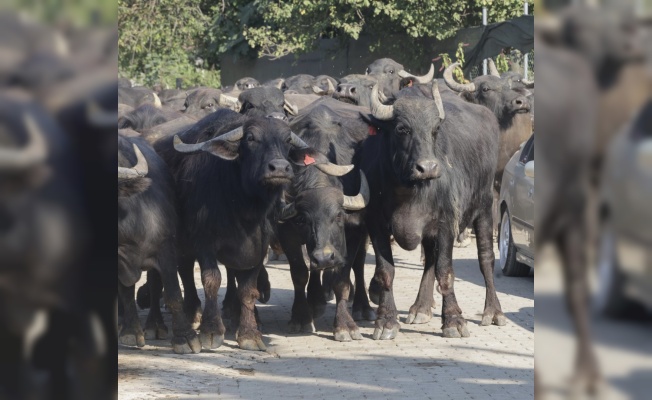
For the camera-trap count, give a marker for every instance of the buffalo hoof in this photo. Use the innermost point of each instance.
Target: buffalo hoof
(250, 341)
(583, 384)
(493, 317)
(159, 332)
(366, 314)
(347, 335)
(386, 330)
(297, 327)
(418, 314)
(210, 340)
(186, 344)
(132, 339)
(374, 292)
(455, 327)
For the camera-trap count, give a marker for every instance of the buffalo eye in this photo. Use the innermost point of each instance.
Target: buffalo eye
(391, 71)
(250, 138)
(485, 89)
(404, 131)
(210, 105)
(300, 219)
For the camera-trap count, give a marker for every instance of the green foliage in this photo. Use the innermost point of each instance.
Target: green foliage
(161, 40)
(502, 63)
(294, 26)
(459, 55)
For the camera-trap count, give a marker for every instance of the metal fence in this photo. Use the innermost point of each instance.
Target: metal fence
(515, 59)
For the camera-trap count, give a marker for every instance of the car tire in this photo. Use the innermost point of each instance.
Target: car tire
(507, 250)
(609, 298)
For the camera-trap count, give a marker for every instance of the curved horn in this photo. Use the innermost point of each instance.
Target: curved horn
(450, 81)
(280, 83)
(34, 152)
(292, 109)
(100, 118)
(378, 109)
(437, 97)
(157, 100)
(333, 169)
(288, 211)
(296, 141)
(359, 201)
(317, 90)
(137, 171)
(231, 136)
(421, 79)
(229, 102)
(382, 97)
(492, 68)
(331, 88)
(528, 84)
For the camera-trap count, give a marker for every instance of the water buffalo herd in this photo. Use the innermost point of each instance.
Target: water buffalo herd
(318, 167)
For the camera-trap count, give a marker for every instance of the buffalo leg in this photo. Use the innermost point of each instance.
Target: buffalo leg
(326, 284)
(421, 311)
(302, 318)
(492, 310)
(264, 287)
(131, 333)
(154, 326)
(191, 302)
(572, 247)
(454, 324)
(361, 308)
(387, 325)
(317, 292)
(230, 304)
(248, 335)
(345, 328)
(184, 338)
(211, 329)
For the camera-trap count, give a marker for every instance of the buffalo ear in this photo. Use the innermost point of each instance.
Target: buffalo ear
(132, 187)
(223, 149)
(375, 125)
(305, 156)
(468, 96)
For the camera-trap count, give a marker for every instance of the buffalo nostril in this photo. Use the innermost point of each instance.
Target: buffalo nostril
(272, 167)
(352, 90)
(420, 169)
(519, 102)
(339, 89)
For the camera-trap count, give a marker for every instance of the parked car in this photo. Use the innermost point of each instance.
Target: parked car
(516, 229)
(625, 256)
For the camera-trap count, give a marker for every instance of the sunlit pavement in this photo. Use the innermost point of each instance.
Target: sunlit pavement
(495, 362)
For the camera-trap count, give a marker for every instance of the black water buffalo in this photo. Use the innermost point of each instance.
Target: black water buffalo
(43, 234)
(202, 101)
(146, 229)
(173, 99)
(278, 83)
(230, 172)
(510, 107)
(323, 214)
(388, 73)
(355, 89)
(146, 116)
(324, 85)
(137, 96)
(246, 83)
(430, 166)
(301, 84)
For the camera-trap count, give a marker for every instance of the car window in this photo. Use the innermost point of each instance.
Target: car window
(527, 154)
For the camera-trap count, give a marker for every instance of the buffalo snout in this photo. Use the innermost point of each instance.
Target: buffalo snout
(278, 165)
(324, 258)
(520, 104)
(425, 169)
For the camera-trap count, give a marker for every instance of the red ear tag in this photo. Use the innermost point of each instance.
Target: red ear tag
(372, 130)
(307, 160)
(410, 84)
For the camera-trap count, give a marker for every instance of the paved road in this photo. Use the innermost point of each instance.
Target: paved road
(495, 362)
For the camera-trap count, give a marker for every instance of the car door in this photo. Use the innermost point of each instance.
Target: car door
(523, 202)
